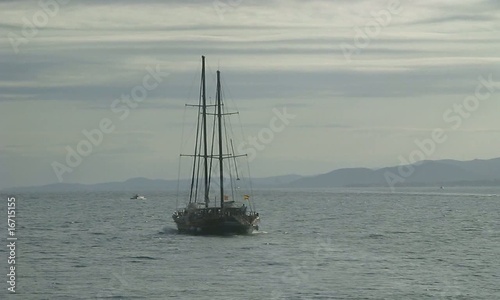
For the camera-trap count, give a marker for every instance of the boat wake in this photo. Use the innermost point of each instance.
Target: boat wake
(168, 230)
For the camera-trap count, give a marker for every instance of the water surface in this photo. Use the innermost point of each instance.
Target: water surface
(417, 243)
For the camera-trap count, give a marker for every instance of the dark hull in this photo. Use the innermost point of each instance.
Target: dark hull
(205, 222)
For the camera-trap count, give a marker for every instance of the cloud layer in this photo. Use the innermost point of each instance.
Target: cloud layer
(401, 75)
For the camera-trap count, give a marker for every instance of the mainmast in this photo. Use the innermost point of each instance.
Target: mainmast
(204, 121)
(219, 118)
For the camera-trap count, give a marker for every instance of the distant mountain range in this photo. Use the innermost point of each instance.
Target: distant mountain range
(429, 172)
(142, 184)
(426, 173)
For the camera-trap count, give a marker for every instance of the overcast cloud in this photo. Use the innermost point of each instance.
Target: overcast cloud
(363, 111)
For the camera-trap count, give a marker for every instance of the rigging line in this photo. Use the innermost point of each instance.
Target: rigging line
(178, 183)
(179, 165)
(251, 203)
(193, 81)
(198, 142)
(231, 178)
(190, 92)
(250, 185)
(201, 146)
(237, 109)
(211, 82)
(195, 152)
(212, 150)
(230, 97)
(232, 135)
(198, 170)
(234, 158)
(231, 140)
(231, 129)
(196, 159)
(196, 139)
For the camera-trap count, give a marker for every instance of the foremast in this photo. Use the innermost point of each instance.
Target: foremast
(201, 152)
(204, 121)
(219, 121)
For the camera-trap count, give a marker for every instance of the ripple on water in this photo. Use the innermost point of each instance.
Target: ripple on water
(361, 246)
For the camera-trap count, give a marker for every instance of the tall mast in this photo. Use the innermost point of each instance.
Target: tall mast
(219, 117)
(204, 117)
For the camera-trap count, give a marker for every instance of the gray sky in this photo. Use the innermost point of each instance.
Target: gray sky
(365, 80)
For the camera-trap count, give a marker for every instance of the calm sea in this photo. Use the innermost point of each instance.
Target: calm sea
(417, 243)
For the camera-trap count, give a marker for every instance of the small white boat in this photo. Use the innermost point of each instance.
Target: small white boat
(138, 197)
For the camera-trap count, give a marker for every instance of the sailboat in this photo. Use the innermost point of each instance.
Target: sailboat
(214, 207)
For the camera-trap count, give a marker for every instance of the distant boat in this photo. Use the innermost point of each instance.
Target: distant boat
(138, 197)
(214, 149)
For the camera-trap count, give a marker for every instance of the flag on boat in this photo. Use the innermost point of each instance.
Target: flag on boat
(246, 197)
